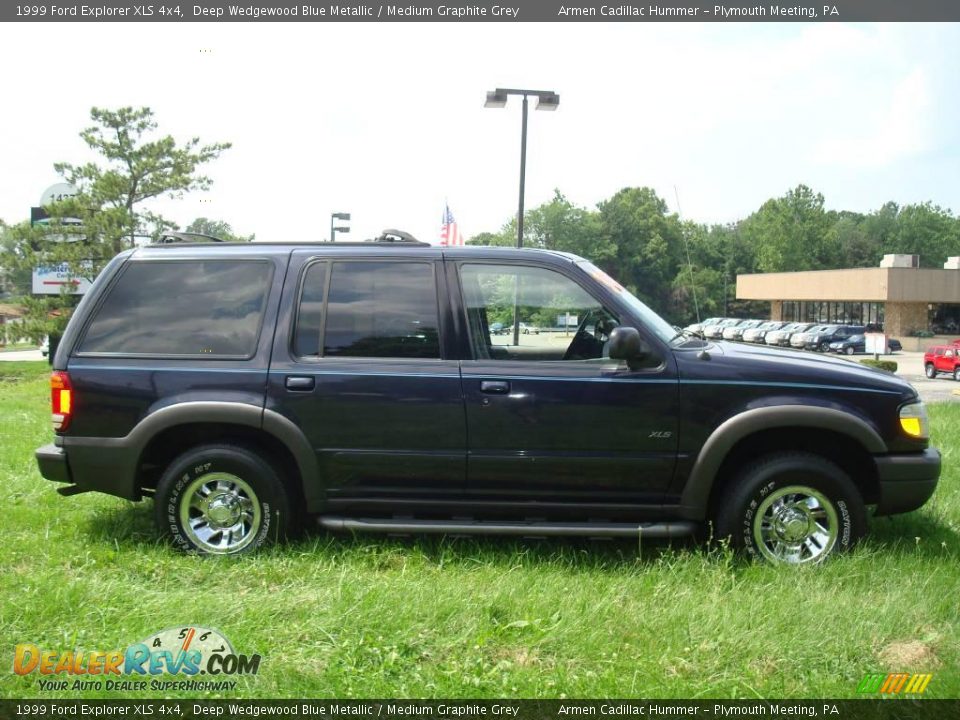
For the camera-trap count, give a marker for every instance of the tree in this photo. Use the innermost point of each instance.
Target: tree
(648, 243)
(111, 207)
(929, 231)
(499, 239)
(791, 233)
(218, 229)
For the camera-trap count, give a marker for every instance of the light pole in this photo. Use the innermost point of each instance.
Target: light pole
(546, 100)
(335, 230)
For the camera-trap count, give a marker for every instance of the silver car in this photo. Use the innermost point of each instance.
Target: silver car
(714, 332)
(736, 332)
(757, 334)
(783, 335)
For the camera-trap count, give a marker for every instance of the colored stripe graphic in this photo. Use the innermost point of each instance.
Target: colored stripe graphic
(894, 683)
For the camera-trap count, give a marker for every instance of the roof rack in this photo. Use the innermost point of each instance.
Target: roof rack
(171, 237)
(396, 236)
(387, 237)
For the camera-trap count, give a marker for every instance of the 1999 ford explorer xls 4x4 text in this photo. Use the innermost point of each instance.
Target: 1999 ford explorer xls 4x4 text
(248, 387)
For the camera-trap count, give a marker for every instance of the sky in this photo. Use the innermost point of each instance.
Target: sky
(386, 121)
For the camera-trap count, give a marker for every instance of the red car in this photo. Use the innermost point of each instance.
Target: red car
(942, 359)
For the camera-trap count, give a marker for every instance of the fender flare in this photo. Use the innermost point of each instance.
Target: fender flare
(696, 492)
(272, 423)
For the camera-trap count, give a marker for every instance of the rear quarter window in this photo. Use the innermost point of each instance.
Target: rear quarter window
(205, 308)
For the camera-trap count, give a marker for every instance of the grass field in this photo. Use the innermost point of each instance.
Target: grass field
(376, 617)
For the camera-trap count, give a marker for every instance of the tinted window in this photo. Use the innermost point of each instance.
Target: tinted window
(306, 342)
(207, 307)
(382, 309)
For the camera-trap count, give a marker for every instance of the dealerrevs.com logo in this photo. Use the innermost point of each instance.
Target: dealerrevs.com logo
(183, 653)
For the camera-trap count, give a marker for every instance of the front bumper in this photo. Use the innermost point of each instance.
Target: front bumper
(907, 481)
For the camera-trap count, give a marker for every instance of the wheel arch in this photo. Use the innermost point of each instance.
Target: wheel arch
(170, 432)
(842, 438)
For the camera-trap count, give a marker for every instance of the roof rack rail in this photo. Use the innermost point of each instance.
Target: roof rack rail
(396, 236)
(171, 237)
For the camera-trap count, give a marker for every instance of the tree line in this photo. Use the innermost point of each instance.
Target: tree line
(678, 266)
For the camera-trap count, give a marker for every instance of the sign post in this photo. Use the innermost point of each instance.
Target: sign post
(876, 343)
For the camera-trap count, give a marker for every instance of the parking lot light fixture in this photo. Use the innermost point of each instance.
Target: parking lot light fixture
(546, 100)
(342, 228)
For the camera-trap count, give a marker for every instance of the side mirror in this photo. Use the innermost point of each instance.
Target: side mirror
(625, 344)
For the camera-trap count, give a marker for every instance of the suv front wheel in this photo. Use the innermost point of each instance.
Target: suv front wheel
(792, 508)
(221, 500)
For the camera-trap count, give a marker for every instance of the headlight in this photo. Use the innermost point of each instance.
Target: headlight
(913, 420)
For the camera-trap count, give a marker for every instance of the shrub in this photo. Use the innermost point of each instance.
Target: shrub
(888, 365)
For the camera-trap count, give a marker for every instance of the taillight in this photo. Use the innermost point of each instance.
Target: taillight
(61, 400)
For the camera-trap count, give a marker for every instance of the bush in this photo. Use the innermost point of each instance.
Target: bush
(888, 365)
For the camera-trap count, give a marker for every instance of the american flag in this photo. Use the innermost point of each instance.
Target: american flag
(449, 232)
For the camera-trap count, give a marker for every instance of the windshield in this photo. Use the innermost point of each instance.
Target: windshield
(664, 330)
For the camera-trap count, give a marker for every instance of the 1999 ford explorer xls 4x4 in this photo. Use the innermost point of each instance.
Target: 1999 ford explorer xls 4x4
(248, 387)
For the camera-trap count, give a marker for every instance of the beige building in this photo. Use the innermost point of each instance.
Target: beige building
(903, 297)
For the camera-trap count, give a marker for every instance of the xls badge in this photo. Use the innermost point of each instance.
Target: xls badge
(182, 651)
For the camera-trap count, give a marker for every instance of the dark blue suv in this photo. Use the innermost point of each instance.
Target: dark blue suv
(251, 387)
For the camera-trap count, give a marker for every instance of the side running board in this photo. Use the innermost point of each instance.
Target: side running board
(508, 527)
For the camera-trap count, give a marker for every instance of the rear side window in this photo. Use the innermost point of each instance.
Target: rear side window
(373, 309)
(197, 308)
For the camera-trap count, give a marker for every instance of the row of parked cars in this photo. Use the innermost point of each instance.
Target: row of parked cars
(845, 339)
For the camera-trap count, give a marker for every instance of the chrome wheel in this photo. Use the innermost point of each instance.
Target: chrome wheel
(795, 525)
(220, 513)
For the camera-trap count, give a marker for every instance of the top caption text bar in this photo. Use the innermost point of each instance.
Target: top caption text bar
(481, 11)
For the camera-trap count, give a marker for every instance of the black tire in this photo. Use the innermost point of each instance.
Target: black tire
(849, 350)
(956, 373)
(250, 505)
(824, 346)
(930, 370)
(833, 506)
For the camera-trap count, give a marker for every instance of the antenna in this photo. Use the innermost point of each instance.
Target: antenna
(686, 246)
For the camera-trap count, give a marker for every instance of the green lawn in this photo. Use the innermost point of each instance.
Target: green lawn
(377, 617)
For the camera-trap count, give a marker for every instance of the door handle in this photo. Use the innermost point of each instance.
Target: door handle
(494, 387)
(299, 382)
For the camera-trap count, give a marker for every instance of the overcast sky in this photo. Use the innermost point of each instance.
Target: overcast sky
(386, 121)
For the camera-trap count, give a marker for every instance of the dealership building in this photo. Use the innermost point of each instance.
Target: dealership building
(901, 296)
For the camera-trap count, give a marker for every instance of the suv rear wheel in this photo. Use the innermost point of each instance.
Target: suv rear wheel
(792, 508)
(222, 500)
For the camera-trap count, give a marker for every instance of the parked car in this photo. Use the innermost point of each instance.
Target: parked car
(858, 344)
(942, 359)
(697, 328)
(820, 338)
(758, 333)
(782, 336)
(715, 332)
(735, 332)
(498, 328)
(356, 386)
